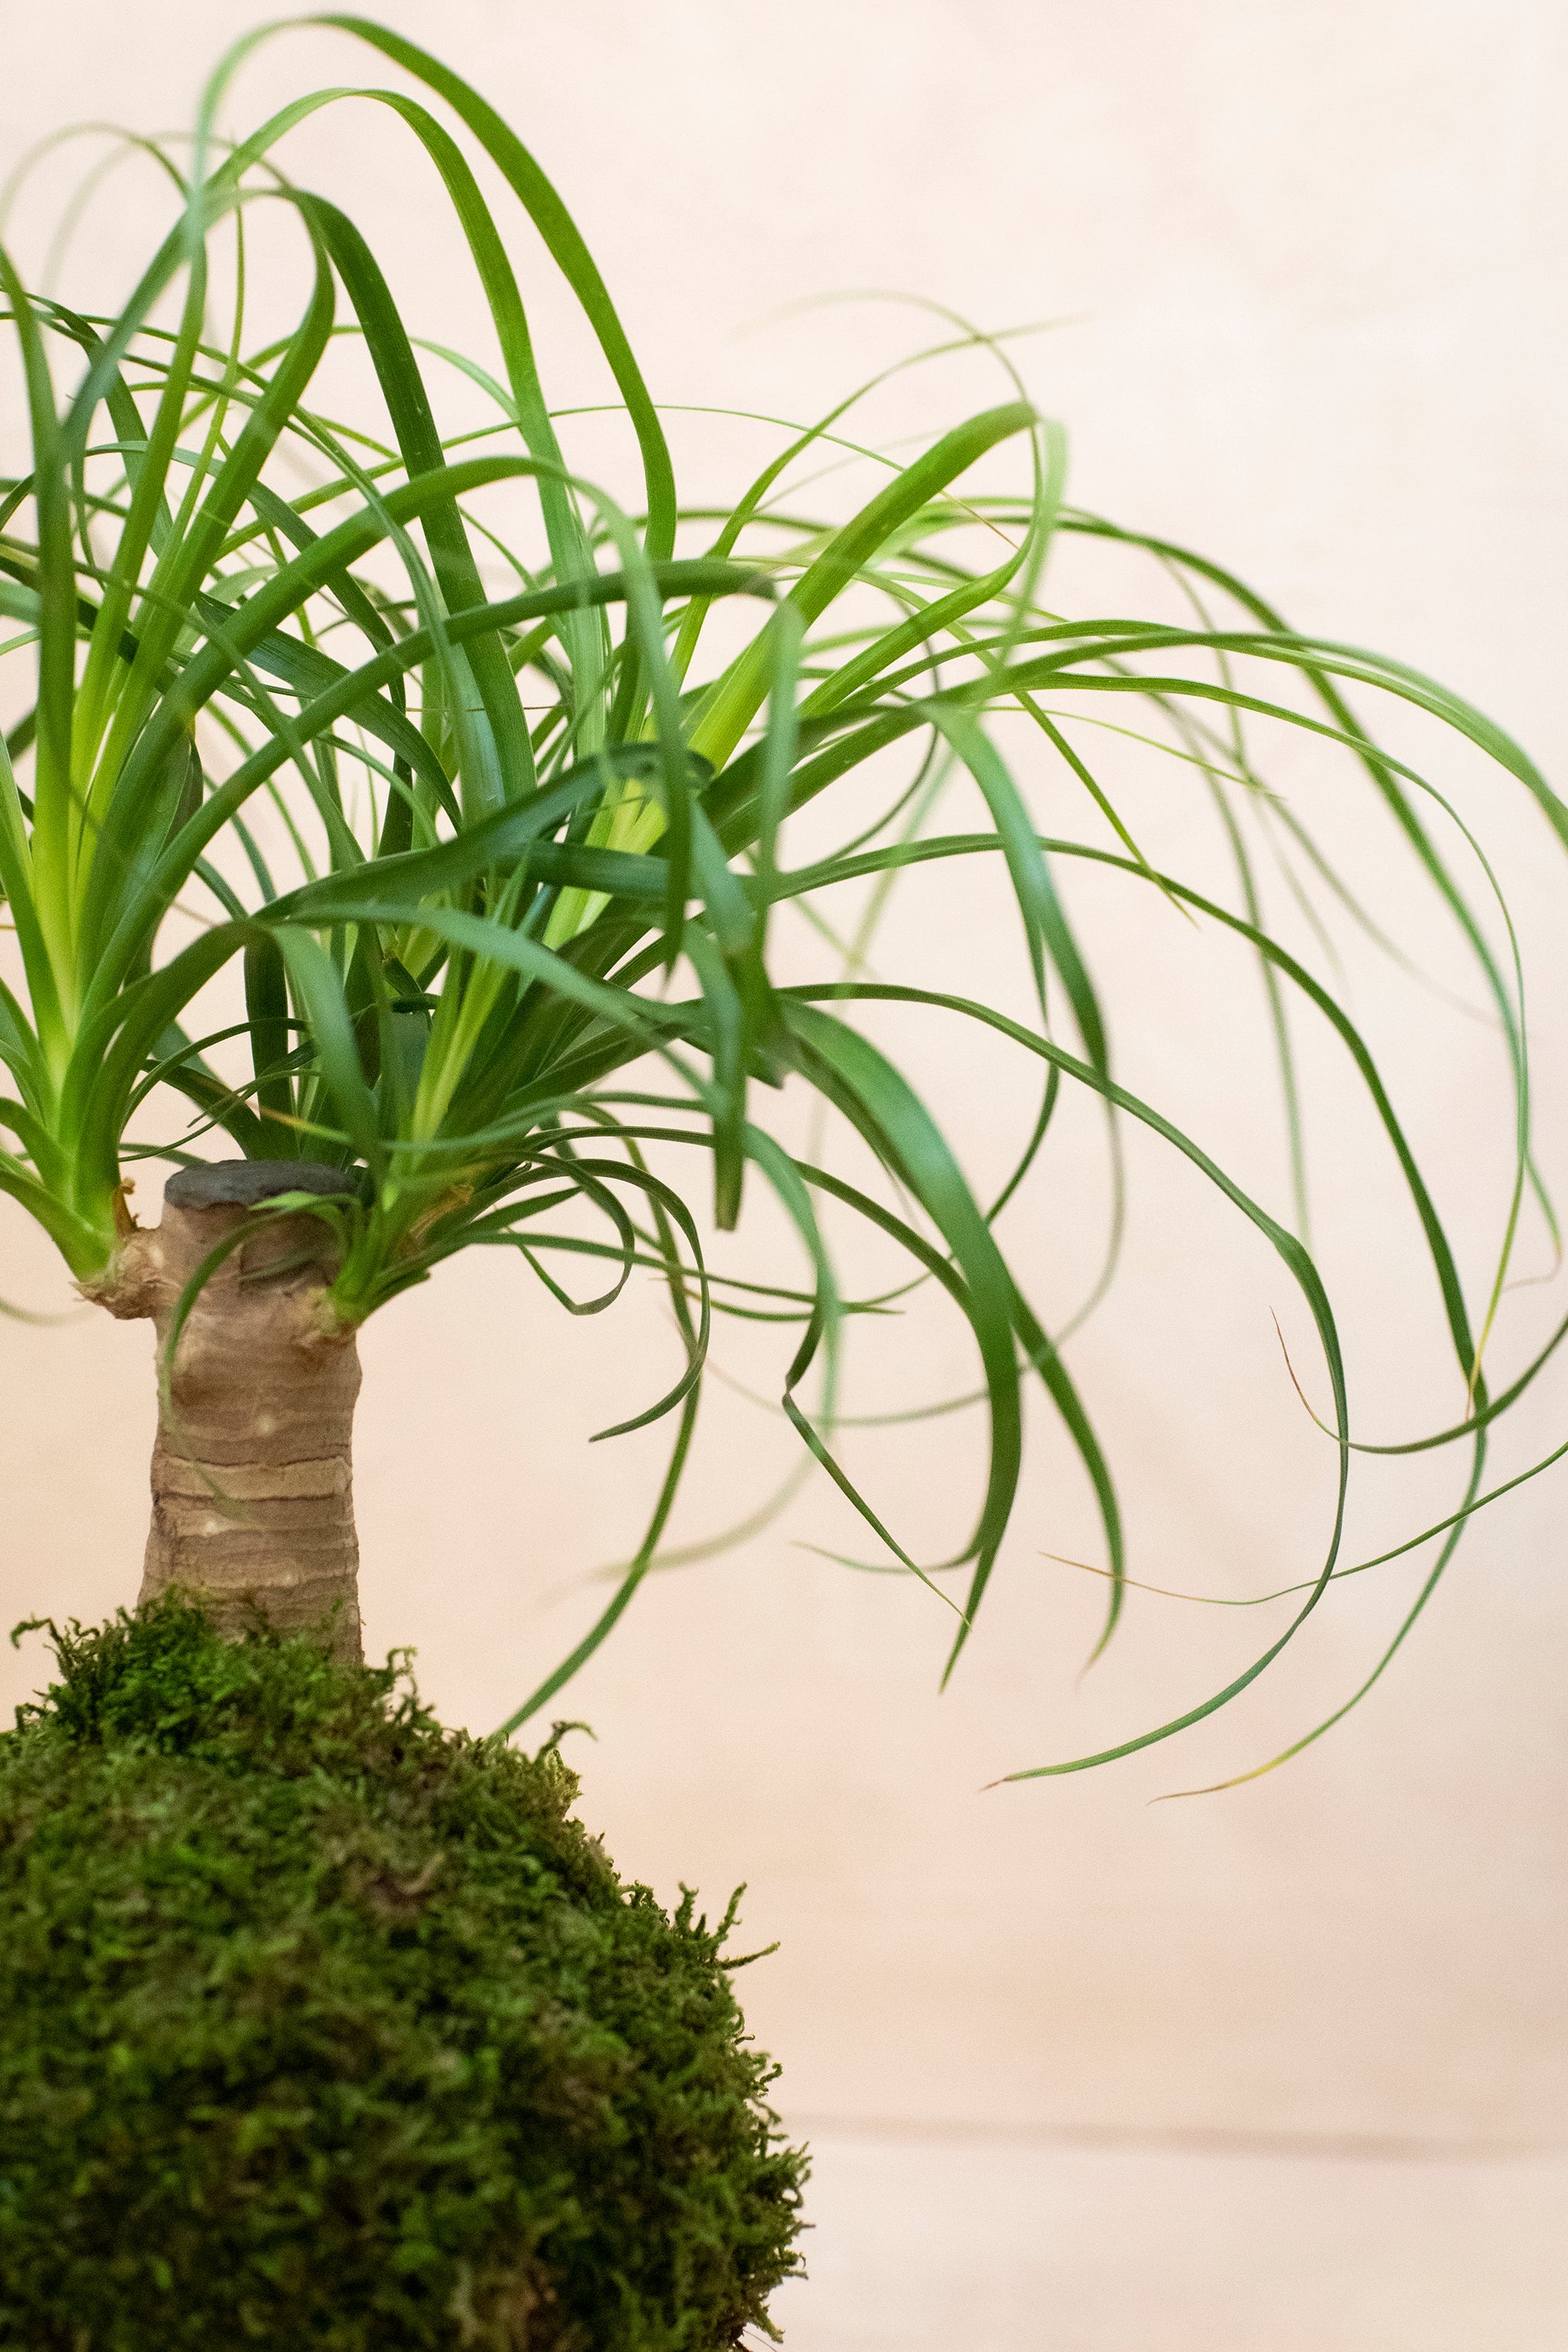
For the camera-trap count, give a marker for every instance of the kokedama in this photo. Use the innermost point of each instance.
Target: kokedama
(432, 850)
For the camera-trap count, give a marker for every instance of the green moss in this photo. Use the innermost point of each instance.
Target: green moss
(322, 2026)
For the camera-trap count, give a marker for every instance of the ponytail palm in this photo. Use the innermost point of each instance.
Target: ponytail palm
(462, 799)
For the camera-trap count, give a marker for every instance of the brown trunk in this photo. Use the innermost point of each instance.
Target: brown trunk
(252, 1483)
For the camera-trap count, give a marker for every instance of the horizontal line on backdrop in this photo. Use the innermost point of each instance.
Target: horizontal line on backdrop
(1372, 2148)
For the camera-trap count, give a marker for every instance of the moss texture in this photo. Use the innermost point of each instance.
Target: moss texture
(322, 2026)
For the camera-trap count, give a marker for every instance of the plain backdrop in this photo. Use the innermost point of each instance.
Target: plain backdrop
(1307, 261)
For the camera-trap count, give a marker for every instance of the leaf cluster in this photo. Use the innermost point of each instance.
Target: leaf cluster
(486, 794)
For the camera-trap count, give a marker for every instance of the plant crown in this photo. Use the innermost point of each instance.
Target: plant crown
(494, 814)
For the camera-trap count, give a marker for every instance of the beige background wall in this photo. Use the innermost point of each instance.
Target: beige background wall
(1312, 255)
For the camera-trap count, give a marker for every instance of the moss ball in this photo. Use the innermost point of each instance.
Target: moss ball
(322, 2026)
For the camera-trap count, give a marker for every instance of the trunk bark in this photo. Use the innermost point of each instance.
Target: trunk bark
(252, 1479)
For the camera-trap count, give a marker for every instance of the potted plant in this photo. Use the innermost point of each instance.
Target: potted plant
(421, 814)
